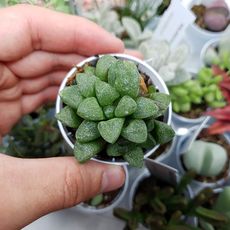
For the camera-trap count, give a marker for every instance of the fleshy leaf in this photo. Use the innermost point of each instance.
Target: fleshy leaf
(135, 157)
(110, 130)
(86, 84)
(71, 96)
(125, 107)
(210, 160)
(103, 65)
(69, 117)
(87, 131)
(167, 72)
(181, 75)
(89, 69)
(89, 109)
(109, 111)
(119, 148)
(162, 132)
(222, 203)
(84, 151)
(127, 78)
(146, 107)
(149, 143)
(132, 27)
(135, 131)
(105, 93)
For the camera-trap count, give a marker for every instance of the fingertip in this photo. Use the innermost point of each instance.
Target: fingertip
(113, 178)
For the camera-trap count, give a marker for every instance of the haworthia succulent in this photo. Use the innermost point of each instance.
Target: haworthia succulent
(84, 151)
(135, 131)
(110, 130)
(119, 148)
(86, 84)
(105, 93)
(125, 107)
(103, 65)
(69, 117)
(87, 131)
(71, 96)
(89, 109)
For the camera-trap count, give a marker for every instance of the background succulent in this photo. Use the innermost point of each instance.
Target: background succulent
(36, 135)
(159, 205)
(203, 90)
(59, 5)
(109, 109)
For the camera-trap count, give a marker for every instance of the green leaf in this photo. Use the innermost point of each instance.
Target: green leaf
(89, 109)
(97, 200)
(103, 66)
(119, 148)
(146, 107)
(132, 27)
(135, 131)
(89, 69)
(127, 78)
(150, 123)
(87, 131)
(86, 84)
(84, 151)
(162, 100)
(109, 111)
(71, 96)
(162, 132)
(135, 157)
(110, 130)
(69, 117)
(211, 215)
(105, 93)
(222, 203)
(125, 107)
(149, 143)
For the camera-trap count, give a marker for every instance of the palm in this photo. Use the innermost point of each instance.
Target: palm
(37, 49)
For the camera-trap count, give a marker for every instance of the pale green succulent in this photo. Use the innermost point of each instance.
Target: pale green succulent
(219, 52)
(206, 158)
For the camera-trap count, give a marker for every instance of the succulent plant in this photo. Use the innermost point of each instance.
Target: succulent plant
(166, 61)
(205, 158)
(218, 53)
(59, 5)
(35, 136)
(203, 91)
(212, 17)
(161, 206)
(115, 114)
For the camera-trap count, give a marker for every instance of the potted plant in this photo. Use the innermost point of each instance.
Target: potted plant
(203, 156)
(36, 135)
(212, 18)
(193, 98)
(114, 110)
(106, 202)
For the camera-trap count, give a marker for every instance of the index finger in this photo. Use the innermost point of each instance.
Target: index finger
(27, 28)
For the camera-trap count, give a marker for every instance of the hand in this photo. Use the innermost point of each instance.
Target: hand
(37, 47)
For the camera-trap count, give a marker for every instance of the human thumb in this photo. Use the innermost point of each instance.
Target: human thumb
(31, 188)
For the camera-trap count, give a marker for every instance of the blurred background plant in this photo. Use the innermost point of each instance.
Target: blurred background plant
(36, 135)
(59, 5)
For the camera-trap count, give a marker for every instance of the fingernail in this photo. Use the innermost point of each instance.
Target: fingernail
(113, 178)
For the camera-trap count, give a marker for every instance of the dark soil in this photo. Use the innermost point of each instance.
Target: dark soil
(161, 150)
(217, 139)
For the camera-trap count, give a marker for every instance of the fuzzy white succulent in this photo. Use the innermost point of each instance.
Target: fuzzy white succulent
(103, 15)
(166, 61)
(206, 158)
